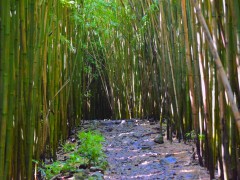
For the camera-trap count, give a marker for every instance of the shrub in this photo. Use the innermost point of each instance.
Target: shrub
(91, 146)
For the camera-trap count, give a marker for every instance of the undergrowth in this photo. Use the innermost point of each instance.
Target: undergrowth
(88, 153)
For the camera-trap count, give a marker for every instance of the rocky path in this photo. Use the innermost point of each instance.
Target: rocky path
(133, 154)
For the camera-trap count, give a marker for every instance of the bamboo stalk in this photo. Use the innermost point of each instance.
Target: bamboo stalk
(5, 81)
(219, 65)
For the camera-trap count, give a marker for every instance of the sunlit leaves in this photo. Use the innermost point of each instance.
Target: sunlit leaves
(91, 145)
(70, 4)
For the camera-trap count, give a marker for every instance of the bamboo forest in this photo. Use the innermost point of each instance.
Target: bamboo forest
(119, 89)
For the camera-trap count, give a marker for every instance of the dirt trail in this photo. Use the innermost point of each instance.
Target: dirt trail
(133, 154)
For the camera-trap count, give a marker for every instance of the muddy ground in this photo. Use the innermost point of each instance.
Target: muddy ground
(133, 154)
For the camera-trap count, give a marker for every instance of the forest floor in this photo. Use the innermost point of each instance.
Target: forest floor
(132, 153)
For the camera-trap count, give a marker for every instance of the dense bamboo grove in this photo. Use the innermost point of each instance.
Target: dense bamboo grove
(62, 61)
(40, 66)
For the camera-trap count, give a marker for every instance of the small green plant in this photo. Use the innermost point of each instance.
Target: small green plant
(89, 152)
(91, 146)
(190, 135)
(201, 137)
(68, 147)
(53, 169)
(75, 159)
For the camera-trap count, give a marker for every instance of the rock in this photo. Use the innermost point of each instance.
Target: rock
(73, 140)
(152, 122)
(72, 132)
(81, 175)
(131, 148)
(159, 139)
(145, 147)
(109, 129)
(65, 176)
(148, 143)
(168, 155)
(125, 160)
(176, 165)
(137, 135)
(136, 145)
(94, 169)
(190, 176)
(97, 176)
(168, 160)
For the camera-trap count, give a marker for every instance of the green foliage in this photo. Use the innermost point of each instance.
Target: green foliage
(57, 167)
(88, 69)
(68, 147)
(69, 3)
(75, 159)
(201, 137)
(154, 6)
(89, 151)
(54, 169)
(190, 135)
(94, 15)
(91, 146)
(88, 94)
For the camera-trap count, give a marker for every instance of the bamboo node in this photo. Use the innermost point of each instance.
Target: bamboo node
(219, 67)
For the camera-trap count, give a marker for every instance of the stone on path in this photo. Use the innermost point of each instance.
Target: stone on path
(97, 176)
(168, 160)
(159, 139)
